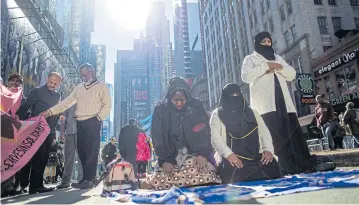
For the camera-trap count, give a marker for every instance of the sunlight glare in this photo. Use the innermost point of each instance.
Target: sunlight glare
(130, 14)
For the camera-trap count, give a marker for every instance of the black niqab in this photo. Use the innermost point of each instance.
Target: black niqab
(241, 124)
(234, 112)
(266, 51)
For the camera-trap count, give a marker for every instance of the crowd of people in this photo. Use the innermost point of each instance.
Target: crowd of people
(238, 142)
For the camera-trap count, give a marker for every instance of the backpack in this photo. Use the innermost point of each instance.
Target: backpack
(120, 177)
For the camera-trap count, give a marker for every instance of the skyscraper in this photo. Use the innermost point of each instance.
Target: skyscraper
(158, 52)
(98, 60)
(182, 41)
(131, 86)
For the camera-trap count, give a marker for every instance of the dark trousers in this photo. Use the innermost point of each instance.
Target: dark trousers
(36, 167)
(88, 145)
(141, 167)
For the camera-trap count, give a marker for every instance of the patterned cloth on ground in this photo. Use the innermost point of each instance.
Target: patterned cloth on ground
(185, 175)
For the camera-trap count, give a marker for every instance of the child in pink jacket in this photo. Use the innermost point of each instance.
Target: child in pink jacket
(143, 154)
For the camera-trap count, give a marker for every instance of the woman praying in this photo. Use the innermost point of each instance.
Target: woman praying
(240, 136)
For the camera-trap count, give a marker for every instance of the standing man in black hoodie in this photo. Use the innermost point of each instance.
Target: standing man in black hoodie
(39, 100)
(109, 152)
(127, 142)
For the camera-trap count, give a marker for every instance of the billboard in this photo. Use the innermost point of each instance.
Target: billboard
(140, 98)
(106, 125)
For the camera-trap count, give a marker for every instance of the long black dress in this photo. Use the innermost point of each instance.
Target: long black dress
(288, 138)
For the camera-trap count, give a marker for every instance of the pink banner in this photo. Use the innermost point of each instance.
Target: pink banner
(10, 100)
(19, 139)
(19, 142)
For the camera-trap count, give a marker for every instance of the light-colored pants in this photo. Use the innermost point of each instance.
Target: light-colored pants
(69, 164)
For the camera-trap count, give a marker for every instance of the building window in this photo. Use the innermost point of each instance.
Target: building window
(266, 26)
(332, 2)
(263, 9)
(354, 2)
(289, 7)
(337, 23)
(329, 87)
(288, 38)
(282, 13)
(356, 20)
(268, 4)
(293, 30)
(346, 80)
(325, 48)
(323, 25)
(271, 25)
(318, 2)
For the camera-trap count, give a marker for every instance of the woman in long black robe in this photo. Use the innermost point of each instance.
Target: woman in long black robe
(276, 107)
(240, 136)
(182, 140)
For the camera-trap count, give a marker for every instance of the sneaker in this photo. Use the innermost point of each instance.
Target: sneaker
(326, 166)
(63, 186)
(41, 190)
(85, 184)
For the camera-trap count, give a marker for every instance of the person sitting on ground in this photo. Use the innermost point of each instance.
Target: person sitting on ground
(240, 136)
(182, 140)
(109, 152)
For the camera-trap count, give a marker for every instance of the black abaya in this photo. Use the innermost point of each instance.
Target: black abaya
(288, 138)
(243, 139)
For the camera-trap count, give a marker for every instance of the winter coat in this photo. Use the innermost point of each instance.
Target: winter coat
(262, 85)
(350, 118)
(143, 150)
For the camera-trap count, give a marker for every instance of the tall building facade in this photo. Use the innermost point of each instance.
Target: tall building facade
(82, 24)
(301, 31)
(223, 32)
(158, 52)
(131, 87)
(33, 43)
(98, 60)
(182, 41)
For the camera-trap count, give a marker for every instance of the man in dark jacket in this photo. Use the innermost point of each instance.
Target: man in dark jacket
(127, 142)
(351, 119)
(324, 113)
(39, 100)
(109, 152)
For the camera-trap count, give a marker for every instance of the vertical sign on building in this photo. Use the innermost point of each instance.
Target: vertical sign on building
(106, 125)
(140, 105)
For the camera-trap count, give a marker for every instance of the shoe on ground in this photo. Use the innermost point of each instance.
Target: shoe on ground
(326, 166)
(85, 184)
(41, 190)
(63, 186)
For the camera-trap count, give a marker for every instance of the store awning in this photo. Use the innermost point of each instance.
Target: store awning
(306, 120)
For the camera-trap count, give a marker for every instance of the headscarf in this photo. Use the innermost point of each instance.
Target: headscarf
(234, 111)
(266, 51)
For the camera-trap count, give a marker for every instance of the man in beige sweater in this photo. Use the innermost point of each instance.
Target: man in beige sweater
(93, 104)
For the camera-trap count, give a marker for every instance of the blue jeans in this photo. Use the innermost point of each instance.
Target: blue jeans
(327, 133)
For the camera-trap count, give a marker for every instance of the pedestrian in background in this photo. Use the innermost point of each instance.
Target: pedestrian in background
(70, 149)
(109, 152)
(143, 154)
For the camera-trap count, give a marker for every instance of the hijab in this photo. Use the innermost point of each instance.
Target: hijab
(234, 111)
(266, 51)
